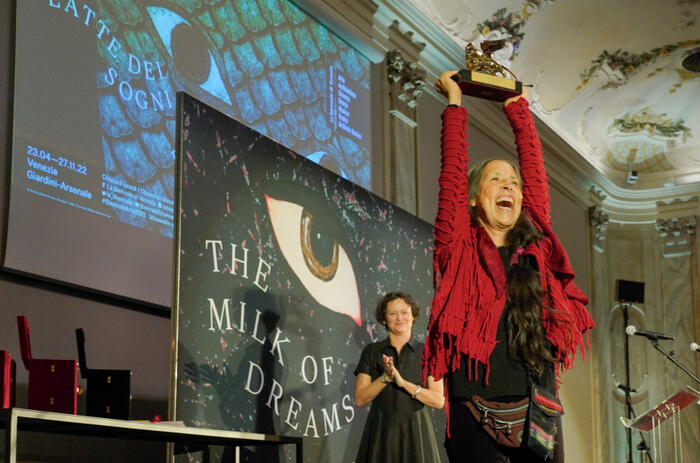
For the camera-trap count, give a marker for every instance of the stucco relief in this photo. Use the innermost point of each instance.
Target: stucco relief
(640, 141)
(639, 116)
(457, 18)
(453, 16)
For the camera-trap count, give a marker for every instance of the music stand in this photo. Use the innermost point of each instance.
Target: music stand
(669, 408)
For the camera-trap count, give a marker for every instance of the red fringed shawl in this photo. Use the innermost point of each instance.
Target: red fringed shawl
(469, 274)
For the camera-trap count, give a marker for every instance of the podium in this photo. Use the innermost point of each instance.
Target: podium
(668, 409)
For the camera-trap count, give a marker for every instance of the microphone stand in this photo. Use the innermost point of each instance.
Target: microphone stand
(628, 398)
(643, 447)
(671, 357)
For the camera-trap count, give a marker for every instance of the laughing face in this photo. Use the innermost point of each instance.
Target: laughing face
(499, 198)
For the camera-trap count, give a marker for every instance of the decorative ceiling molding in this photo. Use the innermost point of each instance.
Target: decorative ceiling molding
(621, 64)
(675, 234)
(406, 40)
(599, 222)
(638, 116)
(678, 207)
(655, 70)
(596, 196)
(440, 52)
(568, 169)
(407, 80)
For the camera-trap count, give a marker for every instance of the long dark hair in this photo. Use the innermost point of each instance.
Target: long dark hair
(527, 339)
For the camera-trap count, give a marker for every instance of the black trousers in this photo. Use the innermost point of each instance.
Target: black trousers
(469, 443)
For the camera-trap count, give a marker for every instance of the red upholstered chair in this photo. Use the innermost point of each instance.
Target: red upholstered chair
(8, 370)
(52, 383)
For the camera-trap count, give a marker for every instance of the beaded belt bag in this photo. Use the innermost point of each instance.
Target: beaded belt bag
(504, 421)
(512, 423)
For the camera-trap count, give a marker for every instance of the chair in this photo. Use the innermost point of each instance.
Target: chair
(53, 383)
(8, 372)
(108, 391)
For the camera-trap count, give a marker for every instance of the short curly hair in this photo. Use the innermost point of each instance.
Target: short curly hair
(380, 313)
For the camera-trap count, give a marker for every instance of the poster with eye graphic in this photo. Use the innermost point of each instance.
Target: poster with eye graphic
(94, 99)
(280, 265)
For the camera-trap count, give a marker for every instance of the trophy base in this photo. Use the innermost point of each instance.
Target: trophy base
(486, 86)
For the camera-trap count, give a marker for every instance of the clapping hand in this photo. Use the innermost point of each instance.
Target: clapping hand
(388, 363)
(391, 371)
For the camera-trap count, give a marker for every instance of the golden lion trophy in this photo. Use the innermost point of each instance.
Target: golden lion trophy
(484, 77)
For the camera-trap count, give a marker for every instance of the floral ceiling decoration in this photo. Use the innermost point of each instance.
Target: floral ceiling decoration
(654, 124)
(504, 25)
(618, 81)
(456, 18)
(626, 63)
(687, 19)
(640, 141)
(508, 26)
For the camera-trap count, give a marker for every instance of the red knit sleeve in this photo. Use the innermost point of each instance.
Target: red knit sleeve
(568, 300)
(453, 206)
(535, 188)
(453, 251)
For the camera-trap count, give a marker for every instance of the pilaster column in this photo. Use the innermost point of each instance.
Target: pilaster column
(406, 82)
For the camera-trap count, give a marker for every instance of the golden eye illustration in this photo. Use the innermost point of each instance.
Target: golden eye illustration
(312, 242)
(320, 263)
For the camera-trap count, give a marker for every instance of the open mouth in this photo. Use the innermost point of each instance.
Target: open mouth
(505, 203)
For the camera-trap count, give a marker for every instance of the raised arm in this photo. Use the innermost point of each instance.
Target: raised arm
(535, 187)
(569, 300)
(453, 206)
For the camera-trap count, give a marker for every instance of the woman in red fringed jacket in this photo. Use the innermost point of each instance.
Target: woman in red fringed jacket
(506, 310)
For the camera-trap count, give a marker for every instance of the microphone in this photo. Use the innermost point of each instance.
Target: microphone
(624, 388)
(695, 347)
(653, 335)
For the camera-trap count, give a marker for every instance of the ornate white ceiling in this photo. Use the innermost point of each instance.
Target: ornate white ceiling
(618, 80)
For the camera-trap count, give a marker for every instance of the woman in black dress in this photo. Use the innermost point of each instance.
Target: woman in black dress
(398, 428)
